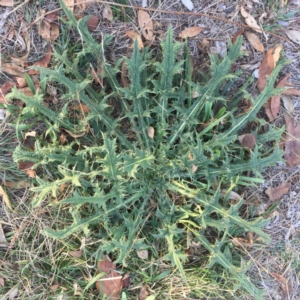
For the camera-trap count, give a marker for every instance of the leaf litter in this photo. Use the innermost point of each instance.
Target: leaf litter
(146, 25)
(276, 193)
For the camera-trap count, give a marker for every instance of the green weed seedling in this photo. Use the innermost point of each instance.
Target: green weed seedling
(152, 181)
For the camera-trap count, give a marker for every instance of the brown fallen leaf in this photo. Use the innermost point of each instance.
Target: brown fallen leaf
(190, 32)
(8, 3)
(54, 287)
(23, 58)
(146, 25)
(249, 20)
(265, 69)
(26, 167)
(288, 104)
(250, 237)
(274, 102)
(247, 140)
(291, 92)
(143, 294)
(232, 196)
(107, 13)
(93, 23)
(76, 254)
(236, 35)
(43, 62)
(124, 74)
(241, 242)
(3, 243)
(69, 4)
(21, 82)
(5, 198)
(143, 254)
(29, 140)
(292, 141)
(47, 29)
(285, 286)
(12, 69)
(293, 35)
(54, 33)
(4, 89)
(62, 139)
(110, 285)
(17, 185)
(276, 54)
(150, 132)
(80, 6)
(278, 191)
(254, 41)
(134, 35)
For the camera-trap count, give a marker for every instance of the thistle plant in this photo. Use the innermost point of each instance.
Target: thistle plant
(163, 182)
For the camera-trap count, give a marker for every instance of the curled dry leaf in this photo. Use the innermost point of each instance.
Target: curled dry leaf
(134, 35)
(250, 237)
(151, 132)
(190, 32)
(292, 141)
(107, 13)
(232, 196)
(236, 35)
(146, 25)
(288, 104)
(27, 168)
(293, 35)
(124, 74)
(241, 242)
(276, 54)
(5, 198)
(265, 70)
(62, 139)
(44, 62)
(4, 89)
(143, 254)
(247, 140)
(110, 285)
(249, 20)
(12, 69)
(143, 294)
(8, 3)
(46, 28)
(284, 282)
(93, 23)
(54, 34)
(278, 191)
(254, 41)
(23, 58)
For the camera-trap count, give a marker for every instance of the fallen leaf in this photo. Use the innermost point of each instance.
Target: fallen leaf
(292, 142)
(241, 242)
(3, 244)
(250, 237)
(143, 254)
(134, 35)
(126, 280)
(124, 74)
(17, 185)
(26, 91)
(146, 25)
(8, 3)
(150, 132)
(276, 54)
(5, 198)
(43, 62)
(236, 35)
(291, 92)
(110, 285)
(107, 13)
(62, 139)
(12, 69)
(278, 192)
(293, 35)
(265, 69)
(29, 140)
(13, 293)
(54, 287)
(26, 167)
(188, 4)
(249, 66)
(80, 6)
(54, 33)
(190, 32)
(232, 196)
(4, 89)
(24, 57)
(76, 254)
(194, 168)
(274, 101)
(284, 282)
(1, 281)
(21, 82)
(249, 20)
(247, 140)
(143, 294)
(81, 107)
(93, 23)
(254, 41)
(69, 4)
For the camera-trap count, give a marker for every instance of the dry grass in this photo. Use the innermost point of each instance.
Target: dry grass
(30, 252)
